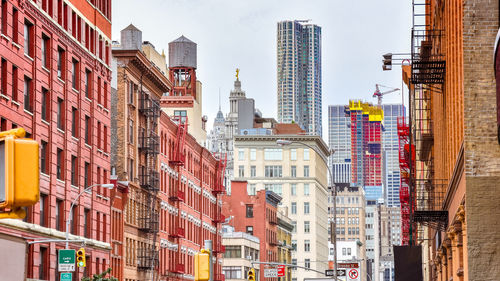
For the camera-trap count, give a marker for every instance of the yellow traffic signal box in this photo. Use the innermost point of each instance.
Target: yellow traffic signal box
(202, 265)
(251, 275)
(80, 258)
(19, 173)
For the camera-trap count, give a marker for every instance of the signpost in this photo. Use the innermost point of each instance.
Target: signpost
(270, 272)
(281, 270)
(66, 276)
(66, 260)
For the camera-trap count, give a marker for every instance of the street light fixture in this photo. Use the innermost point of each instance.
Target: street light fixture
(333, 238)
(68, 221)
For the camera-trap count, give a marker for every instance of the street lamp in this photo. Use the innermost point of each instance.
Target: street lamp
(333, 238)
(68, 221)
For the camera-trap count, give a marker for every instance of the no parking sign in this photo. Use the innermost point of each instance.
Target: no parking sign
(353, 274)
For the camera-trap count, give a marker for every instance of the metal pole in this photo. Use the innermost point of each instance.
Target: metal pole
(208, 246)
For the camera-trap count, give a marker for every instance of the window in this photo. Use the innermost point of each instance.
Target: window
(86, 180)
(307, 245)
(294, 224)
(105, 98)
(3, 89)
(14, 83)
(44, 207)
(293, 154)
(253, 154)
(253, 171)
(44, 157)
(87, 130)
(131, 131)
(60, 114)
(293, 208)
(88, 81)
(251, 189)
(60, 62)
(293, 189)
(249, 211)
(306, 153)
(241, 154)
(232, 272)
(294, 262)
(43, 266)
(27, 94)
(306, 171)
(74, 220)
(307, 227)
(131, 169)
(4, 17)
(45, 51)
(344, 251)
(306, 208)
(59, 212)
(181, 114)
(233, 252)
(75, 75)
(249, 229)
(273, 154)
(74, 124)
(293, 172)
(306, 189)
(60, 160)
(274, 187)
(307, 263)
(349, 251)
(241, 171)
(28, 38)
(86, 222)
(294, 245)
(273, 172)
(45, 105)
(74, 170)
(131, 98)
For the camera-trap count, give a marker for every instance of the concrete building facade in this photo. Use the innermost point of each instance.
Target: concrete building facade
(55, 73)
(241, 249)
(299, 175)
(299, 75)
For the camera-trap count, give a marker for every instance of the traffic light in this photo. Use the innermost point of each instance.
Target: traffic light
(19, 173)
(387, 61)
(80, 258)
(251, 275)
(202, 265)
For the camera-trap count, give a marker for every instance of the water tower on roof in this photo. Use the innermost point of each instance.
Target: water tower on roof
(182, 66)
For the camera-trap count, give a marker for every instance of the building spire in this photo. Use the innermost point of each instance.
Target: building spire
(219, 99)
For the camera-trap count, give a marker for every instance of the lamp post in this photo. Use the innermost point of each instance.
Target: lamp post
(68, 221)
(333, 237)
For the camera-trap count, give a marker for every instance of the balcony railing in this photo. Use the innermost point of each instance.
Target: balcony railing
(177, 232)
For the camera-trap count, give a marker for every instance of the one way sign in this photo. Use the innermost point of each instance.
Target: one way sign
(340, 272)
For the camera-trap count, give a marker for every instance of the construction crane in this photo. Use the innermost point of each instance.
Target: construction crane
(379, 94)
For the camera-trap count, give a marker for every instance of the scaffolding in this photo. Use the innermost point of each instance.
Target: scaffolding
(148, 146)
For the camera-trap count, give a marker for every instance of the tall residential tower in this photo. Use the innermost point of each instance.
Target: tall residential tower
(299, 74)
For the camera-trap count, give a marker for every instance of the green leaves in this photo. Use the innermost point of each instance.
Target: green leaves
(101, 277)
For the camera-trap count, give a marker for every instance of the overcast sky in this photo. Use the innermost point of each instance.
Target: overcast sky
(242, 34)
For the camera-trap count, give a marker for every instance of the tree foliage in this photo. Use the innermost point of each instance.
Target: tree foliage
(101, 277)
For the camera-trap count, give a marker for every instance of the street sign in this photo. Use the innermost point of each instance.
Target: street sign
(66, 276)
(340, 272)
(348, 265)
(329, 272)
(66, 260)
(353, 274)
(270, 272)
(281, 270)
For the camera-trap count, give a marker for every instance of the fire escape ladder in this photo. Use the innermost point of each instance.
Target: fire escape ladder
(219, 187)
(178, 156)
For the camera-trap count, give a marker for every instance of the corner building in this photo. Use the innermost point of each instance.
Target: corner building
(55, 83)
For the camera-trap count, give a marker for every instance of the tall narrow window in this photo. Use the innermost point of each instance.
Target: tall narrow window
(43, 209)
(88, 132)
(60, 63)
(43, 266)
(74, 124)
(45, 105)
(44, 159)
(131, 131)
(99, 90)
(28, 38)
(59, 212)
(105, 97)
(86, 179)
(88, 77)
(74, 170)
(4, 17)
(3, 85)
(27, 94)
(60, 163)
(105, 139)
(306, 171)
(99, 135)
(14, 83)
(130, 169)
(86, 222)
(60, 114)
(75, 75)
(45, 51)
(74, 220)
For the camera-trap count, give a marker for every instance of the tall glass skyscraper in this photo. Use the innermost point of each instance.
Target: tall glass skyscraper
(390, 145)
(339, 139)
(299, 74)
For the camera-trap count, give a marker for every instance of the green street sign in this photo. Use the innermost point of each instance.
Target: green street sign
(66, 260)
(67, 276)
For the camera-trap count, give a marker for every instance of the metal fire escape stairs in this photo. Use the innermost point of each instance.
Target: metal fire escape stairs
(148, 217)
(219, 218)
(428, 69)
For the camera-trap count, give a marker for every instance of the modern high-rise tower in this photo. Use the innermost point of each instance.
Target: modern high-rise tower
(339, 139)
(299, 74)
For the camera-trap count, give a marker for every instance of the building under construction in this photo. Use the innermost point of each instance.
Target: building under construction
(366, 147)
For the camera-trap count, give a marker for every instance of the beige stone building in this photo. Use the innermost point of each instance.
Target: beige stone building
(298, 174)
(241, 249)
(285, 249)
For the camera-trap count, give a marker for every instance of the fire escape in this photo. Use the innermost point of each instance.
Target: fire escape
(176, 192)
(218, 219)
(149, 180)
(428, 68)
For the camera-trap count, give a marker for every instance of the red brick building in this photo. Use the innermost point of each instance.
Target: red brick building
(255, 214)
(55, 80)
